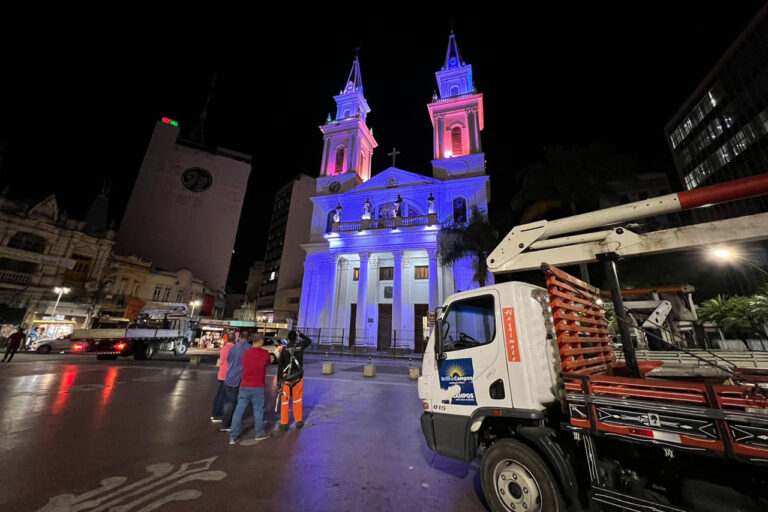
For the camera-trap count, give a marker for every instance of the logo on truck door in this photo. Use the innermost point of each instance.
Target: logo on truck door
(456, 382)
(510, 335)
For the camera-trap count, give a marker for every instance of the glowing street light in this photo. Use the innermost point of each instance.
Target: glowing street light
(726, 254)
(194, 304)
(60, 290)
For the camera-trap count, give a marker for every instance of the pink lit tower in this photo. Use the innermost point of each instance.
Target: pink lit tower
(457, 118)
(348, 142)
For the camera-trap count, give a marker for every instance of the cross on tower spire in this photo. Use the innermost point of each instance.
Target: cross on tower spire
(393, 154)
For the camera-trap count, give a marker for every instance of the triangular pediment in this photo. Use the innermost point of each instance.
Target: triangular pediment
(393, 177)
(47, 210)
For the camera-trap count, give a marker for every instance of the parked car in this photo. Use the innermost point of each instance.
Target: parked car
(274, 346)
(46, 345)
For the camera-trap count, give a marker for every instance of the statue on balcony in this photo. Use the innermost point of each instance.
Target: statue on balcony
(337, 214)
(430, 204)
(367, 209)
(399, 206)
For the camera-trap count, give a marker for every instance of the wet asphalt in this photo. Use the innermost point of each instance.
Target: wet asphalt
(80, 434)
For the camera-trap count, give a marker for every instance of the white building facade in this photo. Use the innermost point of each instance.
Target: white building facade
(372, 270)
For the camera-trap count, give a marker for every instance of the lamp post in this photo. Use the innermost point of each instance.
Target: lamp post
(194, 304)
(60, 290)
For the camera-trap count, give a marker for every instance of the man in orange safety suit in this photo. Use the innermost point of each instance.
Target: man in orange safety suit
(291, 375)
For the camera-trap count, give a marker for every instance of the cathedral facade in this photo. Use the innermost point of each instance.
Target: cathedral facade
(372, 270)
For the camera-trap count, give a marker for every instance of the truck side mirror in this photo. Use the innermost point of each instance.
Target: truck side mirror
(439, 335)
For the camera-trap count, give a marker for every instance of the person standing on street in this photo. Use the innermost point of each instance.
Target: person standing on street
(255, 361)
(14, 342)
(291, 375)
(218, 402)
(232, 380)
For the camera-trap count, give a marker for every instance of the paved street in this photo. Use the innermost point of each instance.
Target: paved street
(80, 434)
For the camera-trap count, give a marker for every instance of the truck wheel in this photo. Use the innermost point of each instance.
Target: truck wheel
(515, 478)
(143, 351)
(180, 350)
(44, 349)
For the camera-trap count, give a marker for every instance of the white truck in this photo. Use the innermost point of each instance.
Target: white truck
(161, 326)
(526, 377)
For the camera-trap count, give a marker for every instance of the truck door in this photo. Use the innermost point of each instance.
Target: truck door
(474, 371)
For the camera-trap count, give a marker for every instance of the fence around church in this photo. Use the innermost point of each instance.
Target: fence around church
(364, 342)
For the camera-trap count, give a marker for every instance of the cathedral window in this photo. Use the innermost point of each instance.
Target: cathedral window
(456, 141)
(454, 90)
(356, 275)
(386, 273)
(339, 160)
(421, 272)
(459, 210)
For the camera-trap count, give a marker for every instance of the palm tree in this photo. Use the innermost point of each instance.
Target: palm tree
(475, 239)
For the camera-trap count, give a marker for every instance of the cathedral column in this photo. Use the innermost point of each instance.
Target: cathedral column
(362, 297)
(326, 149)
(472, 129)
(306, 289)
(441, 136)
(397, 291)
(353, 150)
(333, 266)
(433, 278)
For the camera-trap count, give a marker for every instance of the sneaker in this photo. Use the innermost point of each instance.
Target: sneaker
(262, 437)
(299, 424)
(284, 428)
(232, 442)
(215, 420)
(224, 429)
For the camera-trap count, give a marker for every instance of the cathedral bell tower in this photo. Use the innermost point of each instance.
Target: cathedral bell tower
(457, 119)
(348, 143)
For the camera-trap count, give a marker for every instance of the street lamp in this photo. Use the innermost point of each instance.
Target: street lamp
(60, 290)
(194, 304)
(726, 254)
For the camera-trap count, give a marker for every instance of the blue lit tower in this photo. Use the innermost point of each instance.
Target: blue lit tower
(347, 141)
(457, 118)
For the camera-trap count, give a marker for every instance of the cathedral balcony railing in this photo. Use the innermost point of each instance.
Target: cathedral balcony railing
(390, 223)
(458, 96)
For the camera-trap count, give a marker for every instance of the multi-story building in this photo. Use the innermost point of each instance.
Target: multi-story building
(721, 134)
(185, 206)
(371, 270)
(255, 275)
(283, 267)
(721, 131)
(50, 265)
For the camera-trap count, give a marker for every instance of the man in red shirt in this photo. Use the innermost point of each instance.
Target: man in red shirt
(14, 342)
(255, 361)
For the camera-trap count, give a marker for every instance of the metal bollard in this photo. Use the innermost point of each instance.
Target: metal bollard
(194, 361)
(328, 368)
(413, 373)
(369, 370)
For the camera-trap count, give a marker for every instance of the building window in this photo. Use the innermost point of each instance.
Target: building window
(386, 273)
(27, 242)
(273, 275)
(157, 292)
(459, 210)
(456, 141)
(180, 296)
(356, 275)
(81, 269)
(167, 294)
(421, 272)
(339, 160)
(293, 300)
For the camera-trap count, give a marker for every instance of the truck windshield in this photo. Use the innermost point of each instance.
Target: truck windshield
(469, 323)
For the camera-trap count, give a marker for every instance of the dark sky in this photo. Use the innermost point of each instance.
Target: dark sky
(81, 91)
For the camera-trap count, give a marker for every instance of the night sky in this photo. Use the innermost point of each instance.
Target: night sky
(81, 91)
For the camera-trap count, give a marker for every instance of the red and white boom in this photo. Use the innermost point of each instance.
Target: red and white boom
(525, 247)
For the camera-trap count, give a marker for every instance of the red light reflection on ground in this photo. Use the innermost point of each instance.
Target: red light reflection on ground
(109, 384)
(70, 373)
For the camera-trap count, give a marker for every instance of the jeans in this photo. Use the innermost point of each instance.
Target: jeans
(218, 402)
(255, 397)
(230, 400)
(9, 351)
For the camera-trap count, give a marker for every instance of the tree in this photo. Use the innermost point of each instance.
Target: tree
(740, 317)
(475, 239)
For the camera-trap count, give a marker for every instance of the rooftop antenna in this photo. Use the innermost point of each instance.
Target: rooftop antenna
(198, 134)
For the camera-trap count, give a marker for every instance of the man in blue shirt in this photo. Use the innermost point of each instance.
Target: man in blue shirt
(232, 380)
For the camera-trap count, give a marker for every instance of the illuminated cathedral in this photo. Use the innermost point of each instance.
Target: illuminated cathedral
(372, 271)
